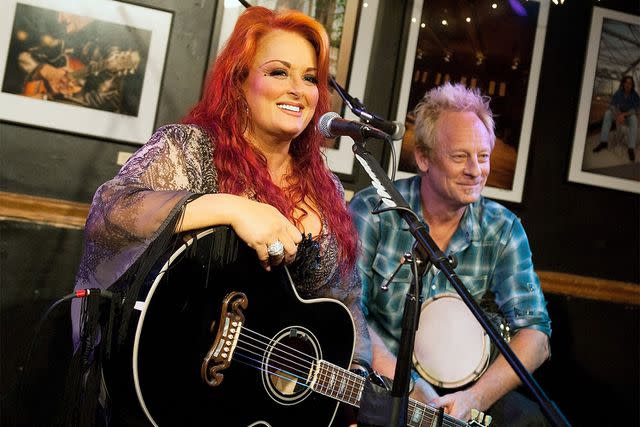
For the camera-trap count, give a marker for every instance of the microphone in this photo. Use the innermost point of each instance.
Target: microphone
(331, 125)
(394, 129)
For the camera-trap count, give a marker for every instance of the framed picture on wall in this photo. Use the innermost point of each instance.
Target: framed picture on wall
(605, 145)
(350, 51)
(493, 47)
(92, 68)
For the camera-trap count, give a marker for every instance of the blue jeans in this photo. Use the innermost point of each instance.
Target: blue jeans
(632, 123)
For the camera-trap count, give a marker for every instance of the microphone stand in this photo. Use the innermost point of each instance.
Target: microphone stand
(360, 110)
(410, 318)
(425, 248)
(354, 104)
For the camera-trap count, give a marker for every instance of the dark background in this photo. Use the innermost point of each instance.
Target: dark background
(593, 375)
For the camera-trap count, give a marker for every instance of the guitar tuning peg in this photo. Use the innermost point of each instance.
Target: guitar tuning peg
(487, 420)
(474, 414)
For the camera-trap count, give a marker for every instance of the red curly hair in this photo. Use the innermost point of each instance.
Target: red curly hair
(241, 167)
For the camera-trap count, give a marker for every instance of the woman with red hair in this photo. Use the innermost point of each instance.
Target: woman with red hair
(247, 155)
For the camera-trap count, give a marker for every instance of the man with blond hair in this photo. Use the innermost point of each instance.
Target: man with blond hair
(454, 139)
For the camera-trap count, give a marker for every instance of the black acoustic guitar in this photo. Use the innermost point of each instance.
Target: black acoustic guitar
(218, 341)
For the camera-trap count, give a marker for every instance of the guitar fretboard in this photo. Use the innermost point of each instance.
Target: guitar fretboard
(345, 386)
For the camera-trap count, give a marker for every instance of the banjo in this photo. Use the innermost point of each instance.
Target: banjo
(451, 348)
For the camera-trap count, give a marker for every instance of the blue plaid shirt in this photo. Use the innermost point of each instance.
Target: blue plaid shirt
(490, 245)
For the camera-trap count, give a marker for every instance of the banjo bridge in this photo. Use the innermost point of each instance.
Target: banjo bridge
(220, 353)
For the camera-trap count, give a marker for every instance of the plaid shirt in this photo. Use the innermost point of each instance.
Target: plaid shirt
(490, 245)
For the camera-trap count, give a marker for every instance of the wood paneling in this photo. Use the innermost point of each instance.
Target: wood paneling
(43, 210)
(590, 287)
(62, 213)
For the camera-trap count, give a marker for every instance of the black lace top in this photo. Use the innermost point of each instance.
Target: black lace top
(132, 210)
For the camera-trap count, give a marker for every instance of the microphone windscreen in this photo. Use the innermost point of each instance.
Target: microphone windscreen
(400, 130)
(324, 124)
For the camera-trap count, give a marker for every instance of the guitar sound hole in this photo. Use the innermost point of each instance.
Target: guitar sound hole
(288, 364)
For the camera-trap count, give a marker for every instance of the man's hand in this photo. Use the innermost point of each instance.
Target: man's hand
(59, 80)
(423, 392)
(459, 404)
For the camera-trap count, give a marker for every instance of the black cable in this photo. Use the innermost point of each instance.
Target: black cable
(81, 293)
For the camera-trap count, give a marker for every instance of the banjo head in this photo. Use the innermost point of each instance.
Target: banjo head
(451, 348)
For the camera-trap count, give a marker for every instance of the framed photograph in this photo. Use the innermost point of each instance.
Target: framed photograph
(465, 43)
(347, 58)
(88, 67)
(605, 145)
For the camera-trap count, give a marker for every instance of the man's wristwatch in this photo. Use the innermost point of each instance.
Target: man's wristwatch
(362, 368)
(360, 371)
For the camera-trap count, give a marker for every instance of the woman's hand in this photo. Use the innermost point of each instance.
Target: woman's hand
(260, 225)
(257, 224)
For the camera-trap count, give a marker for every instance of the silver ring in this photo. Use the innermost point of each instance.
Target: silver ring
(275, 249)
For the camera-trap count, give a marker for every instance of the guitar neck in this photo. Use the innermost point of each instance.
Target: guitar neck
(338, 383)
(88, 69)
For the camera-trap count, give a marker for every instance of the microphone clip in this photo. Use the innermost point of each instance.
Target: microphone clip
(407, 258)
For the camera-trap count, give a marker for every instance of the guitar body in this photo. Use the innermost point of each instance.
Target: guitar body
(157, 377)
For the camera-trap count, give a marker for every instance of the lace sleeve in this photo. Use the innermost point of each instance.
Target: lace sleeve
(131, 210)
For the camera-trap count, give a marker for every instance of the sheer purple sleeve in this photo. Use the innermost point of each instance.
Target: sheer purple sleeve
(130, 211)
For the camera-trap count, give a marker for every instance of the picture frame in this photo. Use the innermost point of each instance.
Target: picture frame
(609, 165)
(349, 60)
(92, 68)
(510, 78)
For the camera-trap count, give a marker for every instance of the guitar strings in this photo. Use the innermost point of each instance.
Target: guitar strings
(348, 397)
(281, 352)
(425, 418)
(303, 367)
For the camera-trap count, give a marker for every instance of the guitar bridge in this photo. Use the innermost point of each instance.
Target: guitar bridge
(220, 353)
